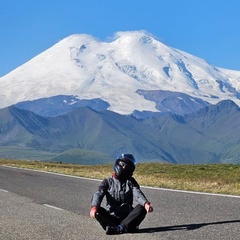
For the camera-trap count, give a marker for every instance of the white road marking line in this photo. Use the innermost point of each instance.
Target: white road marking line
(50, 206)
(155, 188)
(192, 192)
(54, 173)
(2, 190)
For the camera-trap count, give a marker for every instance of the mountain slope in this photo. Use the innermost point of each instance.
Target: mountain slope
(166, 101)
(208, 136)
(115, 71)
(214, 129)
(59, 105)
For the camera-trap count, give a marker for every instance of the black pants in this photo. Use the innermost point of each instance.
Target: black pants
(130, 222)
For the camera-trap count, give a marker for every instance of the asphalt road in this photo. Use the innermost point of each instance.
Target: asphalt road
(36, 205)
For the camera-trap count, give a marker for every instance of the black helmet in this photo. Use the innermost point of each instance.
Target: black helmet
(124, 166)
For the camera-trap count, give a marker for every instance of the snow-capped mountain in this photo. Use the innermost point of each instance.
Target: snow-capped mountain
(117, 72)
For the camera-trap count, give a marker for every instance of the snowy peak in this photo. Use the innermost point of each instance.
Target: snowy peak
(114, 71)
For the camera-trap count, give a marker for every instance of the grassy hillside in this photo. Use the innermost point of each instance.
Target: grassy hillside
(83, 157)
(214, 178)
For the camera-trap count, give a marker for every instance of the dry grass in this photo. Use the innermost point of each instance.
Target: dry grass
(214, 178)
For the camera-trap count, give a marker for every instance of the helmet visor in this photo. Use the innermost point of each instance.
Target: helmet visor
(128, 157)
(126, 166)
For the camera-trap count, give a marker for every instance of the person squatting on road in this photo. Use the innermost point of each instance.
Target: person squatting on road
(120, 216)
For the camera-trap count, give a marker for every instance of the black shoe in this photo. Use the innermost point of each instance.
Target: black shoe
(114, 230)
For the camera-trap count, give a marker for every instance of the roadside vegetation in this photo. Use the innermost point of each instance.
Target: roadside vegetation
(212, 178)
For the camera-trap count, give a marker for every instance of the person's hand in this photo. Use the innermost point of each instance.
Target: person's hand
(148, 207)
(93, 212)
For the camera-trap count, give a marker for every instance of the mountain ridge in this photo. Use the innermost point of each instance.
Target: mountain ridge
(107, 134)
(114, 71)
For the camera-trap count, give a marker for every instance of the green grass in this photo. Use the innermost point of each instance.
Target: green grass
(213, 178)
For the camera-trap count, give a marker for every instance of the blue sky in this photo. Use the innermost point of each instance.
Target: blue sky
(208, 29)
